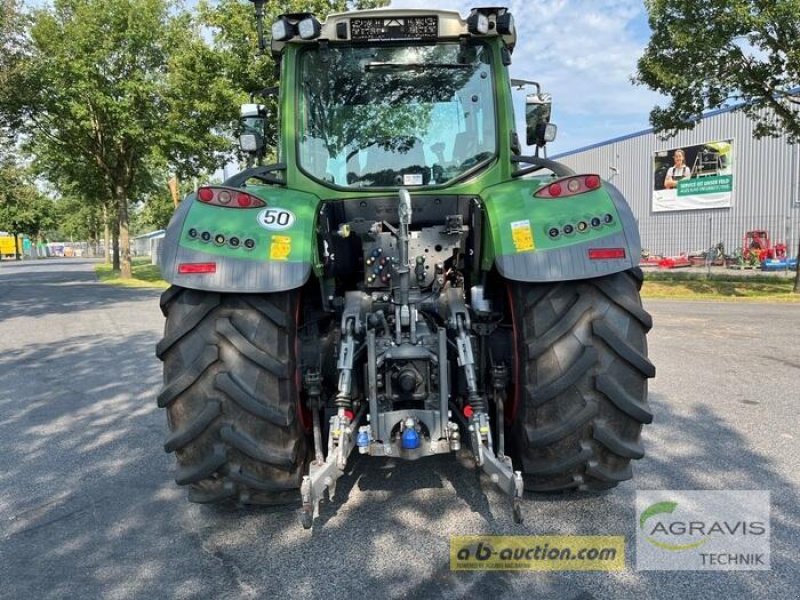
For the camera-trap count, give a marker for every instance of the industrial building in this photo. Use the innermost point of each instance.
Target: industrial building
(725, 183)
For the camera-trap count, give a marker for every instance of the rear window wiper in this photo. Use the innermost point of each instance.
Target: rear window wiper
(386, 66)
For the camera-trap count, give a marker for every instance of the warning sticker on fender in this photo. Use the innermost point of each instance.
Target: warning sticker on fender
(522, 236)
(280, 247)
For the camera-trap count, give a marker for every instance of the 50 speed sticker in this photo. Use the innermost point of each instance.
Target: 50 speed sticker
(276, 219)
(522, 236)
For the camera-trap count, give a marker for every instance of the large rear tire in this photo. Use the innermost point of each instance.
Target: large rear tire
(231, 395)
(581, 381)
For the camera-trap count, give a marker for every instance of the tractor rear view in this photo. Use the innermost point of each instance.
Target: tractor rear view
(403, 283)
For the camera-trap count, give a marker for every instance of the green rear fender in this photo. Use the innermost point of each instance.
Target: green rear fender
(523, 248)
(251, 250)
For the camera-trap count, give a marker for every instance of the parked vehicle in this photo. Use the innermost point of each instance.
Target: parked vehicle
(403, 281)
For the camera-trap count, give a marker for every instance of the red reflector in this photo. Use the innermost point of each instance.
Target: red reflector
(205, 194)
(592, 182)
(193, 268)
(554, 189)
(606, 253)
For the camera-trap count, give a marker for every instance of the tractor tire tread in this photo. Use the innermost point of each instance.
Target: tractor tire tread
(189, 376)
(581, 381)
(227, 329)
(282, 457)
(230, 394)
(183, 436)
(238, 392)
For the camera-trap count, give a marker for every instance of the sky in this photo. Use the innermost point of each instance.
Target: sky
(584, 53)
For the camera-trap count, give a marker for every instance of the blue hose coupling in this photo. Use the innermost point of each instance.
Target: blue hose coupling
(363, 439)
(410, 439)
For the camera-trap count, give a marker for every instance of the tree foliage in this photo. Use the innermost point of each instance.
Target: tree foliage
(707, 54)
(13, 47)
(24, 210)
(111, 98)
(78, 219)
(108, 96)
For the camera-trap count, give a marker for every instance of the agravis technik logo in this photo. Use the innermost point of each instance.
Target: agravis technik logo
(702, 530)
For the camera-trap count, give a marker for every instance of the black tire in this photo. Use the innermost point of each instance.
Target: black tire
(581, 381)
(231, 395)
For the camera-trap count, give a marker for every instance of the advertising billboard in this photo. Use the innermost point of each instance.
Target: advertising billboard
(693, 177)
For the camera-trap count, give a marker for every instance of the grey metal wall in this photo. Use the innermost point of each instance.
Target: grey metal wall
(766, 178)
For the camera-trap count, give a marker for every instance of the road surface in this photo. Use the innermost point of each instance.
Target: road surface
(89, 510)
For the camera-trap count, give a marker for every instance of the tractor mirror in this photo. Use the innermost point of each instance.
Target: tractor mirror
(537, 119)
(252, 121)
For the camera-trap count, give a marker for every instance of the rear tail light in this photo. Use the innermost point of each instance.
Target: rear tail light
(228, 197)
(569, 186)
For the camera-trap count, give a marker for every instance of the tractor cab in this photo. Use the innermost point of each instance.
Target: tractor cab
(387, 99)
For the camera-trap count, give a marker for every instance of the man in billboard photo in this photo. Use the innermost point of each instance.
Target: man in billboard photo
(677, 171)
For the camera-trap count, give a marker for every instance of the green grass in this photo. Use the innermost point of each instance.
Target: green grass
(719, 287)
(144, 275)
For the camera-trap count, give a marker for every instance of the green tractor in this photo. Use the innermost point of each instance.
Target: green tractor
(404, 281)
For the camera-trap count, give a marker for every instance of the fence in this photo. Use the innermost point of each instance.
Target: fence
(691, 233)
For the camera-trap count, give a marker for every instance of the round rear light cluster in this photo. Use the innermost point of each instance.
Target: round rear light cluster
(228, 197)
(569, 186)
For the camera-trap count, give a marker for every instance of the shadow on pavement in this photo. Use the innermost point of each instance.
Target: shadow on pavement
(90, 510)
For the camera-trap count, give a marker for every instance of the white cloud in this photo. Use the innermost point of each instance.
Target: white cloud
(584, 52)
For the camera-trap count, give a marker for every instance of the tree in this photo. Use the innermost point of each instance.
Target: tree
(707, 54)
(99, 96)
(23, 209)
(13, 49)
(78, 219)
(112, 96)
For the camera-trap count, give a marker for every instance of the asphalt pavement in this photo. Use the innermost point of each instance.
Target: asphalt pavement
(88, 507)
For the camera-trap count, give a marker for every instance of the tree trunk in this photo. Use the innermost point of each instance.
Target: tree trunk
(115, 245)
(124, 233)
(16, 246)
(106, 236)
